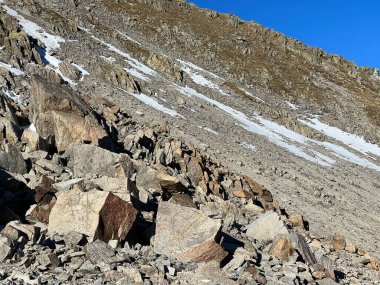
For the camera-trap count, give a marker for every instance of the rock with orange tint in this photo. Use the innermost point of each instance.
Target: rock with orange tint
(282, 248)
(187, 234)
(338, 243)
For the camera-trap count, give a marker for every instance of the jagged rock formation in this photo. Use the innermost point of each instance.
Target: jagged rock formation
(114, 147)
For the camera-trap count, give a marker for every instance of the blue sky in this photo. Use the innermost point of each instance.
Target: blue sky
(350, 28)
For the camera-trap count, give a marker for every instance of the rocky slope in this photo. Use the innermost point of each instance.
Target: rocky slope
(115, 144)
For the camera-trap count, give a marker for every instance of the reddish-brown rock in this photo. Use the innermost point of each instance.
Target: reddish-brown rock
(97, 214)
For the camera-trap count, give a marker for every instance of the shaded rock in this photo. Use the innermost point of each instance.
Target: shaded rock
(73, 239)
(266, 227)
(89, 159)
(183, 200)
(62, 118)
(44, 190)
(69, 70)
(187, 234)
(40, 213)
(49, 260)
(11, 160)
(100, 252)
(97, 214)
(302, 247)
(33, 141)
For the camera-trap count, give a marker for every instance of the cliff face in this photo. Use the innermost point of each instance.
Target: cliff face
(152, 126)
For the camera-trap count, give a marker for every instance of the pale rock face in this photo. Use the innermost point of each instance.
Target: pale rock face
(187, 234)
(97, 214)
(89, 159)
(266, 227)
(61, 117)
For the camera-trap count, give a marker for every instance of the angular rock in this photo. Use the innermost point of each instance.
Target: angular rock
(11, 160)
(187, 234)
(282, 248)
(69, 70)
(122, 187)
(89, 159)
(40, 213)
(49, 260)
(44, 190)
(97, 214)
(302, 247)
(100, 252)
(62, 118)
(33, 141)
(6, 248)
(266, 227)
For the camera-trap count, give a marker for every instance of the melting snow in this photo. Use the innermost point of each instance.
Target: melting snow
(153, 103)
(128, 37)
(83, 71)
(351, 140)
(253, 96)
(295, 143)
(194, 72)
(209, 130)
(110, 58)
(11, 94)
(248, 146)
(292, 106)
(137, 66)
(32, 127)
(51, 42)
(13, 70)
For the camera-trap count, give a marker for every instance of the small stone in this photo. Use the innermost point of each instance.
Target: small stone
(113, 243)
(48, 260)
(98, 251)
(338, 243)
(351, 247)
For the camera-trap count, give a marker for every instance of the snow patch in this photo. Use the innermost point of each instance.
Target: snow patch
(292, 106)
(353, 141)
(32, 127)
(248, 146)
(209, 130)
(153, 103)
(195, 74)
(128, 37)
(134, 63)
(11, 94)
(51, 42)
(13, 70)
(293, 142)
(83, 71)
(110, 58)
(137, 74)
